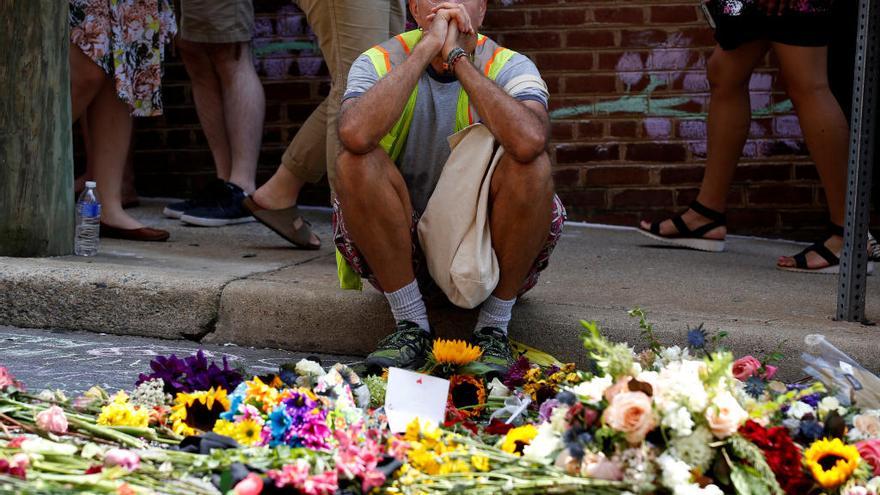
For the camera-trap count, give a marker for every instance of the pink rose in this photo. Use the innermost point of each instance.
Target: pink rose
(120, 457)
(622, 385)
(870, 452)
(52, 420)
(632, 414)
(599, 467)
(745, 367)
(867, 424)
(769, 372)
(725, 415)
(252, 485)
(21, 461)
(7, 380)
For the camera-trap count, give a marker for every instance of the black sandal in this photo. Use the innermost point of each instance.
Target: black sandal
(691, 239)
(819, 248)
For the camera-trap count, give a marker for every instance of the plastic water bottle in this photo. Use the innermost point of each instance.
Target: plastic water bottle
(88, 222)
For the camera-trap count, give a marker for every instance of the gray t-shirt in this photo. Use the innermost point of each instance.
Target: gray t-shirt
(426, 148)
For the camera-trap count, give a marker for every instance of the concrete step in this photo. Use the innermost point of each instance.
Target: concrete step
(244, 285)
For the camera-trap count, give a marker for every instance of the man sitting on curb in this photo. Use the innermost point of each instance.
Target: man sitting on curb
(404, 98)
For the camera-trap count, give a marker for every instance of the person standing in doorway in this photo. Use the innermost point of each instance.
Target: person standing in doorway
(215, 44)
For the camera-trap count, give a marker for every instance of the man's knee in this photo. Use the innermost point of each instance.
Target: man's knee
(229, 58)
(352, 172)
(530, 181)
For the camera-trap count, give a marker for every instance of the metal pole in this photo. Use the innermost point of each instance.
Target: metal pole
(866, 92)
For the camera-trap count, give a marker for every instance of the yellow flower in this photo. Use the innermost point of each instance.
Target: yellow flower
(456, 352)
(266, 395)
(122, 413)
(247, 432)
(197, 411)
(831, 462)
(480, 462)
(223, 427)
(518, 438)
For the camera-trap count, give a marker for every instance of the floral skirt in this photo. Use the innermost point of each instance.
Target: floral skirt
(126, 38)
(807, 23)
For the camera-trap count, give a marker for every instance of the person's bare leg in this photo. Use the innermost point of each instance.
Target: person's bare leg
(378, 214)
(519, 218)
(86, 80)
(244, 107)
(728, 123)
(208, 96)
(110, 123)
(824, 127)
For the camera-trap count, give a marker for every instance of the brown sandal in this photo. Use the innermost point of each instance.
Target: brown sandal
(283, 222)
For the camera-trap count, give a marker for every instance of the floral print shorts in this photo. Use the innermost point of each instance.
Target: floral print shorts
(357, 262)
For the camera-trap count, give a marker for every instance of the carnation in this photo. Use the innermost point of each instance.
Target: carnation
(674, 472)
(544, 446)
(679, 421)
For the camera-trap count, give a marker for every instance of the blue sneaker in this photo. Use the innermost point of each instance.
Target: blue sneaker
(225, 210)
(208, 196)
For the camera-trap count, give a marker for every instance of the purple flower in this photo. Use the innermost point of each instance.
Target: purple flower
(516, 375)
(546, 409)
(191, 374)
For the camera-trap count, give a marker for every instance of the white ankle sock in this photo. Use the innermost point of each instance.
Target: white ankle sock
(407, 304)
(495, 313)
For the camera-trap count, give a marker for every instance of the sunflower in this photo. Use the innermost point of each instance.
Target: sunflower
(518, 438)
(248, 432)
(456, 352)
(467, 395)
(831, 462)
(197, 411)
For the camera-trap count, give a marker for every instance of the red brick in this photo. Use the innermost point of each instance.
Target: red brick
(590, 39)
(532, 40)
(575, 153)
(590, 84)
(624, 129)
(681, 175)
(656, 152)
(567, 178)
(617, 15)
(641, 198)
(616, 176)
(590, 130)
(780, 195)
(675, 14)
(550, 17)
(565, 61)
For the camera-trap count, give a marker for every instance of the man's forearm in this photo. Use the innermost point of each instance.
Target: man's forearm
(364, 123)
(521, 130)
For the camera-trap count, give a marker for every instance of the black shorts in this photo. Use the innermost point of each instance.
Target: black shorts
(793, 29)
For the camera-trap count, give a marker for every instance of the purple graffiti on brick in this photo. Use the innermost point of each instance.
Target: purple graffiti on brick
(309, 66)
(787, 125)
(657, 128)
(276, 68)
(692, 129)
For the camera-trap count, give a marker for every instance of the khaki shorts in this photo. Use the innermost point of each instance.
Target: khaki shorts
(217, 21)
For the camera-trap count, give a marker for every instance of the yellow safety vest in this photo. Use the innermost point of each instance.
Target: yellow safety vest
(489, 57)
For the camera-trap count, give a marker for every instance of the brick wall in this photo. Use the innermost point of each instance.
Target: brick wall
(629, 101)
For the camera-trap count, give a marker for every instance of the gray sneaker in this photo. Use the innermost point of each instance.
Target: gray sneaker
(497, 354)
(407, 347)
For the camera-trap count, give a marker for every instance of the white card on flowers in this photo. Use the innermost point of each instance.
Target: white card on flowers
(412, 395)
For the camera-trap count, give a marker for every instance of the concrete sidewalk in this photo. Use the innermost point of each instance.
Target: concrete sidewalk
(245, 285)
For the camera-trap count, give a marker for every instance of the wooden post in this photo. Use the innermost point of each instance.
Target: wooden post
(36, 160)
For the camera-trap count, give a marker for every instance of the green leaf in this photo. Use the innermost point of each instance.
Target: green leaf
(226, 481)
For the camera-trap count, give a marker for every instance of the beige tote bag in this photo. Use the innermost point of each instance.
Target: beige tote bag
(454, 229)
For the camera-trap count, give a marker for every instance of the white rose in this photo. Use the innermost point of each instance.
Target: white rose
(829, 404)
(498, 389)
(543, 447)
(593, 390)
(799, 409)
(309, 368)
(725, 415)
